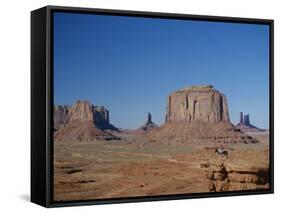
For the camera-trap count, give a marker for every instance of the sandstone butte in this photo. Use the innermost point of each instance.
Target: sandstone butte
(198, 114)
(245, 124)
(202, 103)
(148, 126)
(82, 122)
(60, 116)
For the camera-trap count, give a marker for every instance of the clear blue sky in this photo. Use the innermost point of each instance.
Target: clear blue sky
(131, 64)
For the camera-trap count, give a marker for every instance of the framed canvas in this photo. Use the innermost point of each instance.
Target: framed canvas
(131, 106)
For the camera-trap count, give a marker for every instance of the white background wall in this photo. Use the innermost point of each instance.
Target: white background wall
(15, 107)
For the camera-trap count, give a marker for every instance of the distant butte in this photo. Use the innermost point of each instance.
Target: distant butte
(245, 125)
(148, 126)
(82, 122)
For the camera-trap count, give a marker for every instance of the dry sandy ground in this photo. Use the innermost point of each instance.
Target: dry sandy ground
(131, 167)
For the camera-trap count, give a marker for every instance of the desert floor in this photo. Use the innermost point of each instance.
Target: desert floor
(131, 167)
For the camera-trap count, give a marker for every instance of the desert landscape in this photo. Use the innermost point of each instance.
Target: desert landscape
(196, 150)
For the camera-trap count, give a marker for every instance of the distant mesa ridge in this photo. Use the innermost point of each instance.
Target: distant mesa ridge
(245, 124)
(195, 114)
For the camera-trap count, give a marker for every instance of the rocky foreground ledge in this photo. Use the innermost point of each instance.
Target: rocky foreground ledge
(236, 176)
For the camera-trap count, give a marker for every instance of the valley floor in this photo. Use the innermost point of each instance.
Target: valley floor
(132, 167)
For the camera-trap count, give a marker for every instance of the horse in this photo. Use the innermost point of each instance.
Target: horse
(221, 152)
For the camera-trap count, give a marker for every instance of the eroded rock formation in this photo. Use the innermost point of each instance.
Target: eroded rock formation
(230, 176)
(245, 124)
(83, 122)
(101, 118)
(202, 103)
(101, 114)
(148, 126)
(60, 116)
(82, 111)
(198, 115)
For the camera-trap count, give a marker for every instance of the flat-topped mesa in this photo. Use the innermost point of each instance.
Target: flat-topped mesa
(198, 115)
(197, 103)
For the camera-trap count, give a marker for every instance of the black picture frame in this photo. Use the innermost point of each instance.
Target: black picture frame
(42, 104)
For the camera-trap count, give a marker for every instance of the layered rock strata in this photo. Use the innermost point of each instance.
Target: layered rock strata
(82, 111)
(60, 116)
(198, 114)
(202, 103)
(85, 122)
(236, 177)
